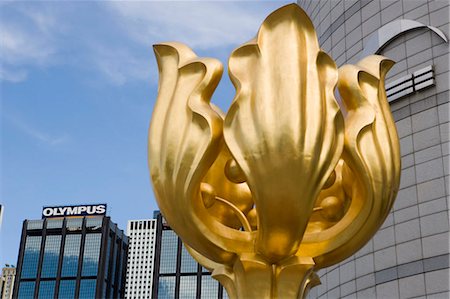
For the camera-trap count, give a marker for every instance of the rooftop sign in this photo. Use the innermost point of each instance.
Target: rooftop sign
(74, 211)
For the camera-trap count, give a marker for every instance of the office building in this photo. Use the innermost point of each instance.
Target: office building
(72, 252)
(409, 256)
(1, 215)
(7, 282)
(141, 236)
(176, 273)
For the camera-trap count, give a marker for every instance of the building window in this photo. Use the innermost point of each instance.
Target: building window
(31, 256)
(91, 254)
(46, 289)
(188, 264)
(87, 289)
(166, 287)
(26, 290)
(94, 223)
(188, 287)
(54, 223)
(169, 246)
(210, 287)
(74, 224)
(35, 224)
(67, 289)
(71, 253)
(51, 256)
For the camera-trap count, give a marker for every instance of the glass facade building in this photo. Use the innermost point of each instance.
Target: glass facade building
(80, 257)
(176, 274)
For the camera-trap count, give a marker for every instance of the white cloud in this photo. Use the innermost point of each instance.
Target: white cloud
(120, 65)
(11, 75)
(35, 133)
(200, 25)
(23, 42)
(114, 38)
(19, 46)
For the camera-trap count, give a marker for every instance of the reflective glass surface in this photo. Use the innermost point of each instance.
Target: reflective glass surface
(225, 294)
(67, 289)
(54, 223)
(122, 253)
(87, 289)
(210, 287)
(35, 224)
(91, 254)
(51, 255)
(31, 256)
(169, 246)
(74, 224)
(188, 287)
(108, 249)
(188, 264)
(71, 253)
(47, 289)
(166, 287)
(26, 290)
(94, 223)
(114, 262)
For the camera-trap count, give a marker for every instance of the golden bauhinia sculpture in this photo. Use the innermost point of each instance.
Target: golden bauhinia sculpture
(289, 181)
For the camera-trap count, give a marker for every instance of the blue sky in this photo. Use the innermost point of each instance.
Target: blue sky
(78, 81)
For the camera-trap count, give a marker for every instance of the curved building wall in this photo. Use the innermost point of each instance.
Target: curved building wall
(409, 256)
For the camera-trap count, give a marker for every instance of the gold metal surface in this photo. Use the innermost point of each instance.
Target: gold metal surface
(288, 181)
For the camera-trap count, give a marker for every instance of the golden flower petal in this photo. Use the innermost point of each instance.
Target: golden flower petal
(371, 173)
(284, 128)
(185, 138)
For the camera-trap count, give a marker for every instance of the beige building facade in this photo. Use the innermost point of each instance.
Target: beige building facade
(7, 282)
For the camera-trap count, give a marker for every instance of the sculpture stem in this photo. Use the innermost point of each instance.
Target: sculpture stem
(252, 277)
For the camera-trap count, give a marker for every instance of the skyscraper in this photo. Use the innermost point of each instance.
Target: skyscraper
(141, 234)
(7, 282)
(1, 215)
(176, 273)
(73, 252)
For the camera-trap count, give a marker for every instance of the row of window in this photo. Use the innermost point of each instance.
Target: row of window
(66, 289)
(142, 224)
(209, 288)
(71, 252)
(71, 223)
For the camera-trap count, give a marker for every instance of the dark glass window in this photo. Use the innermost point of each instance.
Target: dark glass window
(166, 287)
(31, 256)
(91, 254)
(51, 255)
(71, 253)
(114, 262)
(210, 287)
(87, 289)
(225, 294)
(47, 289)
(122, 254)
(188, 264)
(35, 224)
(188, 287)
(94, 223)
(54, 223)
(26, 290)
(169, 246)
(67, 289)
(74, 224)
(108, 249)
